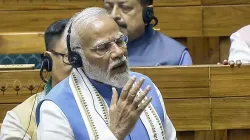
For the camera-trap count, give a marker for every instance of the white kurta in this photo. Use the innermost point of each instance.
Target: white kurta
(239, 49)
(50, 113)
(12, 128)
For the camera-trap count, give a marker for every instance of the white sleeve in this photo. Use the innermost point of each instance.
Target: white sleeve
(12, 128)
(53, 123)
(169, 129)
(239, 50)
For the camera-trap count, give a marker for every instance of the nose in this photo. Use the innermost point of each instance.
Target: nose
(117, 52)
(115, 13)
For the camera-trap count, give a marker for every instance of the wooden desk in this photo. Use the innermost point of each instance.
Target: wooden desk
(200, 100)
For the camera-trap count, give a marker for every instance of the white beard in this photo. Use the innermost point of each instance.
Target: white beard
(96, 73)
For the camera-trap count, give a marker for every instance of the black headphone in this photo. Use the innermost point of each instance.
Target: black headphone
(74, 57)
(148, 15)
(46, 65)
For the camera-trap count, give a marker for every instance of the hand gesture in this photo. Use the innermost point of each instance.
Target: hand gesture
(125, 112)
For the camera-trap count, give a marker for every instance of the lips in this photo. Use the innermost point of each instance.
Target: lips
(119, 67)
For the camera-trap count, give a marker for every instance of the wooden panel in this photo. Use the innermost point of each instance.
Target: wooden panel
(13, 98)
(63, 0)
(173, 22)
(180, 21)
(176, 2)
(224, 48)
(230, 113)
(24, 1)
(230, 81)
(240, 134)
(10, 1)
(180, 82)
(211, 135)
(224, 20)
(4, 108)
(50, 1)
(183, 41)
(224, 2)
(19, 83)
(40, 5)
(179, 112)
(37, 1)
(21, 43)
(204, 50)
(185, 135)
(30, 21)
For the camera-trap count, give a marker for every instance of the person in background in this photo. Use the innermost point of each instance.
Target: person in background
(239, 52)
(55, 60)
(146, 47)
(240, 46)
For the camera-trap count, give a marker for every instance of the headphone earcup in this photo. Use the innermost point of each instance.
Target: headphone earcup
(148, 14)
(75, 59)
(47, 63)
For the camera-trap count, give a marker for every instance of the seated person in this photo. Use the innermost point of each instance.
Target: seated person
(146, 47)
(99, 100)
(16, 121)
(240, 46)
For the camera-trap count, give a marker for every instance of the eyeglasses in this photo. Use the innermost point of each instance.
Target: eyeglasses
(104, 48)
(64, 56)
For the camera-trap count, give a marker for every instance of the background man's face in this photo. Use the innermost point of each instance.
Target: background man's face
(60, 69)
(128, 15)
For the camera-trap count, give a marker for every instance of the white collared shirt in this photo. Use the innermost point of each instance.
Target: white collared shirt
(239, 50)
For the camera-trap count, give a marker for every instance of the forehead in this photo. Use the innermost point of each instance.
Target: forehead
(99, 30)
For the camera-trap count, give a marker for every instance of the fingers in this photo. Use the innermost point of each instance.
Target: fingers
(114, 97)
(225, 62)
(139, 99)
(134, 90)
(231, 63)
(142, 106)
(127, 88)
(238, 63)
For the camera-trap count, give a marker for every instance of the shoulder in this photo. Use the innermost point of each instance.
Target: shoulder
(53, 123)
(11, 118)
(59, 88)
(12, 127)
(50, 108)
(27, 104)
(169, 41)
(139, 75)
(241, 34)
(245, 29)
(147, 80)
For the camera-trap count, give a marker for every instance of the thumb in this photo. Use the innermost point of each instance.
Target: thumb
(114, 98)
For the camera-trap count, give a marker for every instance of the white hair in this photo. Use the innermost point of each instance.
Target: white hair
(79, 25)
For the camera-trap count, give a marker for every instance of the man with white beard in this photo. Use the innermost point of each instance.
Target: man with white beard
(99, 100)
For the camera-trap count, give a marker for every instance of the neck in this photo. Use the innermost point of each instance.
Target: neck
(54, 81)
(138, 33)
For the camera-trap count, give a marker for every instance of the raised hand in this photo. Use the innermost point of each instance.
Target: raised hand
(125, 112)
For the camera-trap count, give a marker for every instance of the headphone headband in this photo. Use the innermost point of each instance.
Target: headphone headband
(74, 58)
